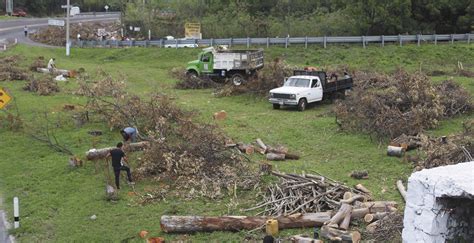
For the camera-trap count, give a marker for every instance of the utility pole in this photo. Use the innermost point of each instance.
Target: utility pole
(68, 44)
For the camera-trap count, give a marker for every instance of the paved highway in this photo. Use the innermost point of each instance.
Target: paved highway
(13, 28)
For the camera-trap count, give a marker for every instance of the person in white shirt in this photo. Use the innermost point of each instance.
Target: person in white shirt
(52, 64)
(79, 37)
(25, 29)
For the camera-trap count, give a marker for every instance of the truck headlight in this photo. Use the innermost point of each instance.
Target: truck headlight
(271, 95)
(292, 96)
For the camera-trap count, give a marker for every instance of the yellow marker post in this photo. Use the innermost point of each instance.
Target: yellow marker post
(4, 98)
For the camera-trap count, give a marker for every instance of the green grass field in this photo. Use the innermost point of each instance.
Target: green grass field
(57, 202)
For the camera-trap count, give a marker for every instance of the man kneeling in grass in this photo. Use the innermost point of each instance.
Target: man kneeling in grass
(118, 159)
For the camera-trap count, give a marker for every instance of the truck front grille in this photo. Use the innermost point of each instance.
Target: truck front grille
(281, 96)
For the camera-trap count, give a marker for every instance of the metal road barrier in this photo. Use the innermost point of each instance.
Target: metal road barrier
(323, 41)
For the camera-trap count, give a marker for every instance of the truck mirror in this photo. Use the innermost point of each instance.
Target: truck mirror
(286, 78)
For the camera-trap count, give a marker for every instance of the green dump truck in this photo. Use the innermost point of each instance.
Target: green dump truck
(219, 65)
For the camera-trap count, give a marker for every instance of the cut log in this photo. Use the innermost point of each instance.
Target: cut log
(346, 221)
(277, 150)
(275, 157)
(374, 216)
(340, 235)
(246, 148)
(292, 156)
(360, 174)
(261, 144)
(394, 151)
(362, 188)
(55, 71)
(402, 190)
(189, 224)
(95, 154)
(359, 212)
(347, 195)
(379, 206)
(344, 210)
(371, 228)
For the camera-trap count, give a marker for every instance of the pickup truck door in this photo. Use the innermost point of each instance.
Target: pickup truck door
(316, 91)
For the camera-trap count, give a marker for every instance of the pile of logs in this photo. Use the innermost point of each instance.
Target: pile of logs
(300, 201)
(304, 194)
(278, 153)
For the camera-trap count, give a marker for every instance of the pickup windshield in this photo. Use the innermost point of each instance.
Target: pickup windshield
(297, 82)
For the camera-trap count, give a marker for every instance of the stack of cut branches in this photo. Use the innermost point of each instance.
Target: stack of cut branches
(304, 194)
(44, 85)
(193, 155)
(9, 69)
(388, 106)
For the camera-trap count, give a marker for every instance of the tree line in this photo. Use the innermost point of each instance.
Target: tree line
(270, 18)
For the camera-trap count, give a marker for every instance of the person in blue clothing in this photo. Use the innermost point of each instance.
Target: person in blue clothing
(129, 134)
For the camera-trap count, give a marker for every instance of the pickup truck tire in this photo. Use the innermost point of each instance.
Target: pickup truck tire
(237, 79)
(302, 104)
(276, 106)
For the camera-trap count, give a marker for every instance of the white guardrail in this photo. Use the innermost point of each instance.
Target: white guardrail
(324, 41)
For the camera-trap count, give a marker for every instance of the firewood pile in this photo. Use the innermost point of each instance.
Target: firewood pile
(304, 194)
(388, 106)
(276, 153)
(192, 155)
(43, 85)
(186, 82)
(270, 77)
(56, 36)
(10, 70)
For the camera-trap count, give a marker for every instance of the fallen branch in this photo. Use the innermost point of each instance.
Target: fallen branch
(402, 190)
(340, 235)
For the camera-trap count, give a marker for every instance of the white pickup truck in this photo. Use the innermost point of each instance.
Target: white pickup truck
(307, 87)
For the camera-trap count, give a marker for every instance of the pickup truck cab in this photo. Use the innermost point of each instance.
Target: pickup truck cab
(307, 87)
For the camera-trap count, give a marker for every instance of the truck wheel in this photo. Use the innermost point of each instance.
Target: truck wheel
(276, 106)
(302, 104)
(237, 79)
(191, 75)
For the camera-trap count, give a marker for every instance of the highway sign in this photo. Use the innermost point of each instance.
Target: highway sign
(106, 7)
(56, 22)
(4, 98)
(63, 6)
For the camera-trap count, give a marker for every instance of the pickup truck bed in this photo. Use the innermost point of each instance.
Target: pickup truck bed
(328, 86)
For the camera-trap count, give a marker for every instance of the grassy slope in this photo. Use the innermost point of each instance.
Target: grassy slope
(56, 202)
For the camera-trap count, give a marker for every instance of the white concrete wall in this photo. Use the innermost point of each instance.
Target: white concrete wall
(425, 220)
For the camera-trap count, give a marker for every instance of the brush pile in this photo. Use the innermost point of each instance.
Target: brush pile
(189, 82)
(44, 85)
(448, 150)
(192, 155)
(9, 69)
(39, 62)
(388, 106)
(387, 229)
(304, 194)
(56, 36)
(270, 77)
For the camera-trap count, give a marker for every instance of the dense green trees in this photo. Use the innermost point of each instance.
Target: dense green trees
(262, 18)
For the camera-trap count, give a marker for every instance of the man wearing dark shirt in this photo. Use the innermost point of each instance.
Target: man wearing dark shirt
(117, 155)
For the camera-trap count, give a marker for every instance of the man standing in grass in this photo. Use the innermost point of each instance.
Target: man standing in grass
(118, 159)
(26, 31)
